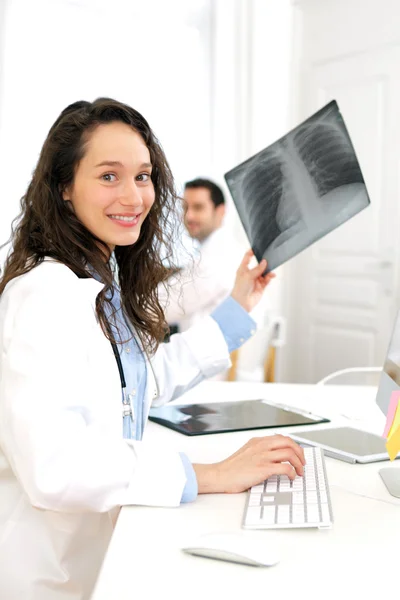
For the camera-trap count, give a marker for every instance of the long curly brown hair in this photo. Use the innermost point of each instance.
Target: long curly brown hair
(46, 226)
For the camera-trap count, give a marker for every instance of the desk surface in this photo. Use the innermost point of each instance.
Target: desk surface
(358, 557)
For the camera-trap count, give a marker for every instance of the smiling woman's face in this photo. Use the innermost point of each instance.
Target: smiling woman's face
(112, 192)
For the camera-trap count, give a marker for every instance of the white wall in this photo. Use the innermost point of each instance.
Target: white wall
(250, 109)
(153, 55)
(346, 287)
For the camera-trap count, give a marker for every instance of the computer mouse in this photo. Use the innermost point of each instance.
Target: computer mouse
(234, 547)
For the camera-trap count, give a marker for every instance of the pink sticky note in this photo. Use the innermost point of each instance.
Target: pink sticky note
(394, 402)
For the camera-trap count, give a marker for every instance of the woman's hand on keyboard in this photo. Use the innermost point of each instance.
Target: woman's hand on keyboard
(257, 460)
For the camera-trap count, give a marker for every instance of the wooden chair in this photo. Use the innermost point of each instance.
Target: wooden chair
(233, 370)
(276, 338)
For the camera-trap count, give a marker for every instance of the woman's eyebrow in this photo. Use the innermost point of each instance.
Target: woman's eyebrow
(109, 163)
(117, 163)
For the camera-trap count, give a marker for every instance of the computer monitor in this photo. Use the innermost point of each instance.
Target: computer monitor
(390, 382)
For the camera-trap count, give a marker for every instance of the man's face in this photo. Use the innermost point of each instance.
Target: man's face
(201, 217)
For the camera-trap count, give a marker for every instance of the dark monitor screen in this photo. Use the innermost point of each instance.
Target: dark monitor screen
(219, 417)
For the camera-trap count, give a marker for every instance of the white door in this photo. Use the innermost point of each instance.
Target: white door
(343, 292)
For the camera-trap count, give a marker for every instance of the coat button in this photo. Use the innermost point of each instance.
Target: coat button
(127, 349)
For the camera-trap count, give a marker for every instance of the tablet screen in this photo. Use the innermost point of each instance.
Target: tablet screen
(346, 439)
(218, 417)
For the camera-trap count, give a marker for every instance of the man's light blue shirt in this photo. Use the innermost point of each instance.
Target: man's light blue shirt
(237, 327)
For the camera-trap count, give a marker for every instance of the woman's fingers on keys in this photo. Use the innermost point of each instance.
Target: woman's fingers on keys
(286, 455)
(279, 468)
(277, 442)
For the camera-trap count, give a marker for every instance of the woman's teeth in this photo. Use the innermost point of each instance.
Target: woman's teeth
(120, 218)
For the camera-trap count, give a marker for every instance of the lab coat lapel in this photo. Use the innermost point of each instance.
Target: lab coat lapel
(91, 288)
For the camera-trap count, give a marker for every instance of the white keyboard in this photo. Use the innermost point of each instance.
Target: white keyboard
(281, 503)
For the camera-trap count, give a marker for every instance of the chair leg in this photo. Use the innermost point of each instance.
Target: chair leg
(269, 365)
(233, 370)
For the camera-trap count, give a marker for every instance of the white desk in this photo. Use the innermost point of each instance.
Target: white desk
(357, 558)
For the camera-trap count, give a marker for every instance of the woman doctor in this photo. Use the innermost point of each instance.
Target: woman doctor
(71, 449)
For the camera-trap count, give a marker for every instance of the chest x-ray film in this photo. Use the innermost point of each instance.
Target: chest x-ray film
(300, 188)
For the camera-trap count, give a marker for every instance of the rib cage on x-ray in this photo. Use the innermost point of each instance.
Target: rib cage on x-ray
(300, 188)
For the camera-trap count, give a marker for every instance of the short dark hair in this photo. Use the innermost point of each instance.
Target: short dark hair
(217, 195)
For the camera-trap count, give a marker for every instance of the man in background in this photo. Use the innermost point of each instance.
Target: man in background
(201, 287)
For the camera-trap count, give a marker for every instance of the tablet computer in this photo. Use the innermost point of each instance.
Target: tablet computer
(346, 443)
(220, 417)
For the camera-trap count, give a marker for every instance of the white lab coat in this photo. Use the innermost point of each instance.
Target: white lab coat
(197, 291)
(64, 468)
